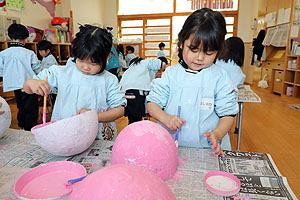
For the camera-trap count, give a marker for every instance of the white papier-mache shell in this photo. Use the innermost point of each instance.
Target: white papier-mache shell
(69, 136)
(5, 118)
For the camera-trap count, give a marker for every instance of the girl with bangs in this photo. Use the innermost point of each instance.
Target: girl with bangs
(83, 84)
(196, 96)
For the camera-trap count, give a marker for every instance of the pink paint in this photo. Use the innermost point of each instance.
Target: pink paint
(222, 183)
(1, 166)
(48, 181)
(181, 162)
(68, 136)
(117, 182)
(178, 175)
(146, 144)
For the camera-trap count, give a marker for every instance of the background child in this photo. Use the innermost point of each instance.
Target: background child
(233, 59)
(136, 83)
(121, 56)
(129, 54)
(204, 91)
(44, 47)
(17, 65)
(113, 65)
(161, 54)
(84, 84)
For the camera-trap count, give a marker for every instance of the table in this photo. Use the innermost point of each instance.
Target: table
(245, 94)
(19, 153)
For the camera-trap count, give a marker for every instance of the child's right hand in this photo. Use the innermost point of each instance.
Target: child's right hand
(173, 122)
(39, 87)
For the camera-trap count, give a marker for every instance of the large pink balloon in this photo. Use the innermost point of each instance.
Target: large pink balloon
(146, 144)
(68, 136)
(126, 182)
(5, 118)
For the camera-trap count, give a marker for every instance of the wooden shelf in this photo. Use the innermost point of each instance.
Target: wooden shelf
(61, 51)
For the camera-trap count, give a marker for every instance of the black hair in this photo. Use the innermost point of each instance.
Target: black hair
(235, 51)
(17, 32)
(163, 59)
(207, 28)
(93, 43)
(120, 49)
(129, 48)
(44, 45)
(135, 60)
(161, 45)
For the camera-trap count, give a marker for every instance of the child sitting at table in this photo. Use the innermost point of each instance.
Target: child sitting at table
(44, 48)
(233, 59)
(207, 97)
(84, 83)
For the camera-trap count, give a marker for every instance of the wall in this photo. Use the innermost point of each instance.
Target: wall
(110, 15)
(88, 13)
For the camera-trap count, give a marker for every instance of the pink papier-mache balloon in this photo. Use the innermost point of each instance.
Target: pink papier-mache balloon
(69, 136)
(5, 118)
(146, 144)
(127, 182)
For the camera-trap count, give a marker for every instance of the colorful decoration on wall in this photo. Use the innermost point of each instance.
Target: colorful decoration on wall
(213, 4)
(48, 4)
(15, 4)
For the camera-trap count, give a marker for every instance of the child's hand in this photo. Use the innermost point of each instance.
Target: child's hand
(1, 111)
(173, 122)
(83, 110)
(214, 143)
(39, 87)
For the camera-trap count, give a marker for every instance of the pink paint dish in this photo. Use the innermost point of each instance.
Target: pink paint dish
(48, 181)
(68, 136)
(222, 183)
(149, 145)
(126, 182)
(5, 118)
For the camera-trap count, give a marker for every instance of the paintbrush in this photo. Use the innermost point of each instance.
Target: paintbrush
(177, 130)
(45, 104)
(72, 181)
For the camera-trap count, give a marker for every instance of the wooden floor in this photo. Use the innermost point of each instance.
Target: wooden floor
(268, 127)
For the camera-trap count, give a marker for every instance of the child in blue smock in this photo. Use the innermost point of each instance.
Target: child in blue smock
(44, 48)
(129, 54)
(136, 82)
(233, 59)
(84, 83)
(207, 97)
(17, 65)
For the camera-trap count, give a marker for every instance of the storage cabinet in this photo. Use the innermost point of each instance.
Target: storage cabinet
(278, 81)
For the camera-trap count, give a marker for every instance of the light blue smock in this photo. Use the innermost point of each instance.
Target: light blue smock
(17, 65)
(139, 76)
(233, 70)
(48, 61)
(122, 61)
(129, 57)
(203, 96)
(161, 53)
(76, 90)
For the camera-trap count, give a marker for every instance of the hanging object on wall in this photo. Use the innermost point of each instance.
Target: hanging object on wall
(15, 5)
(213, 4)
(48, 4)
(2, 3)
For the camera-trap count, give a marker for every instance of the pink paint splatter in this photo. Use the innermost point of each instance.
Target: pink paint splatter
(69, 149)
(96, 165)
(1, 166)
(180, 162)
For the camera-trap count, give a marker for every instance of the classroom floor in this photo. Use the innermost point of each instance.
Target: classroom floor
(268, 127)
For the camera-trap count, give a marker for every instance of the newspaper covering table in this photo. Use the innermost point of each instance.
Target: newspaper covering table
(258, 174)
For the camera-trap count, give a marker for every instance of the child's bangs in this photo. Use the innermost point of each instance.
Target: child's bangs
(88, 54)
(206, 39)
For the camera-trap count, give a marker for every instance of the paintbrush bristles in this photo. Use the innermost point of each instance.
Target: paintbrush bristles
(45, 104)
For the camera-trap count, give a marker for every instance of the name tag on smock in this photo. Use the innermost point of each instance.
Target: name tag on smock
(207, 104)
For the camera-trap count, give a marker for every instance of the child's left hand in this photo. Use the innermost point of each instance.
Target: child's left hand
(214, 143)
(83, 110)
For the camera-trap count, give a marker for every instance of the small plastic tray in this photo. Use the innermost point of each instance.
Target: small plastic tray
(48, 181)
(222, 183)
